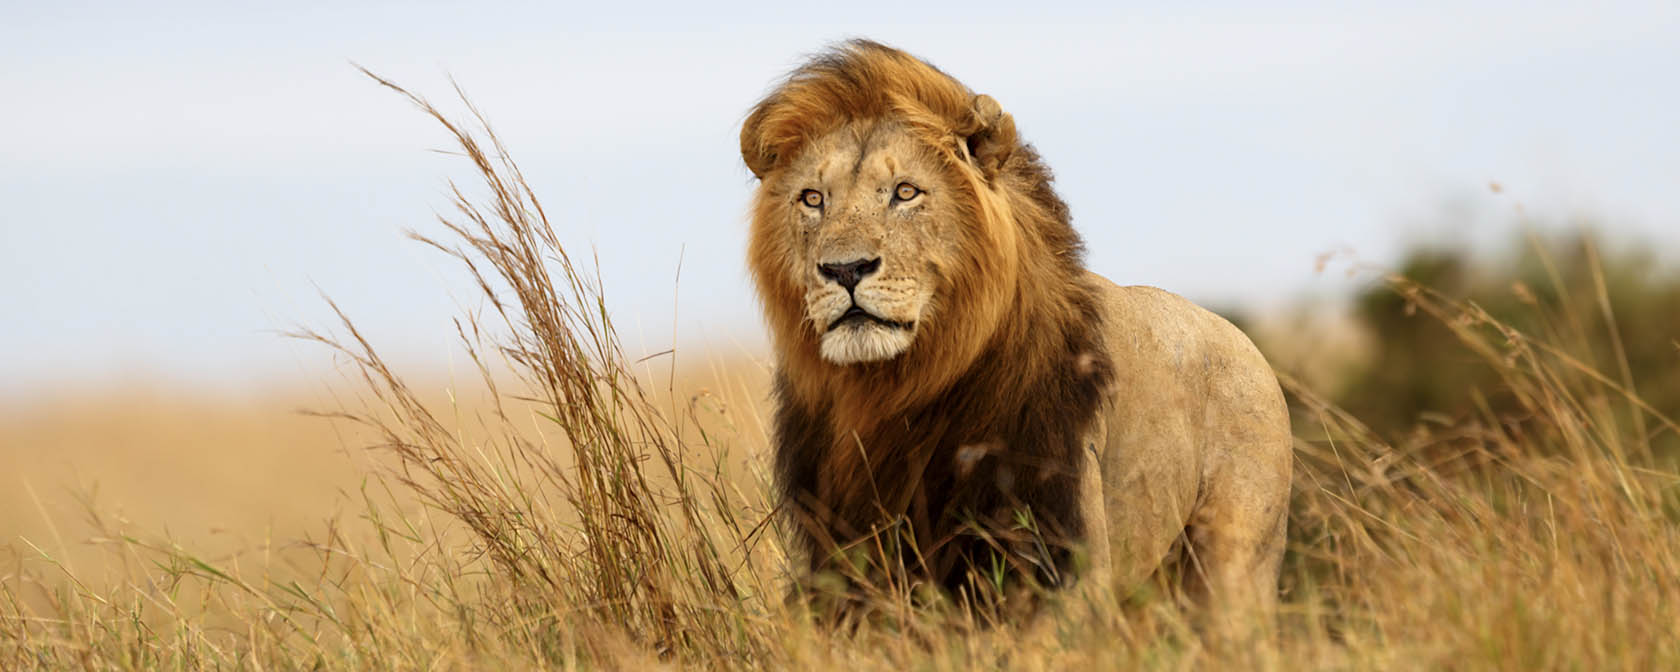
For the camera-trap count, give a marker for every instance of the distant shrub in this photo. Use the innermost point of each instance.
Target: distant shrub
(1617, 313)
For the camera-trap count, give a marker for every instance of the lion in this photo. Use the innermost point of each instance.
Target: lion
(947, 370)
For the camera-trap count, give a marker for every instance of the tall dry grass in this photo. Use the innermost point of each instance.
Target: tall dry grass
(591, 522)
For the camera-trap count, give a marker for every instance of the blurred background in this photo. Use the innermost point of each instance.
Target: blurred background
(182, 181)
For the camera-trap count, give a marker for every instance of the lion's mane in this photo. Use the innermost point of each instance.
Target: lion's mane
(983, 417)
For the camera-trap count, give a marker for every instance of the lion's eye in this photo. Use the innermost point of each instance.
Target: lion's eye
(811, 198)
(906, 191)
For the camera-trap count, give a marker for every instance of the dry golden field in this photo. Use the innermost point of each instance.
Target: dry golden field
(229, 475)
(216, 472)
(571, 508)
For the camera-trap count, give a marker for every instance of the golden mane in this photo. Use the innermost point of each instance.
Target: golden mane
(862, 80)
(1016, 362)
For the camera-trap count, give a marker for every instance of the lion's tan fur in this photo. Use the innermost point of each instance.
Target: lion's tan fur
(1158, 419)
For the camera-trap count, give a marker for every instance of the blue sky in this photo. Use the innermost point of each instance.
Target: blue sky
(178, 179)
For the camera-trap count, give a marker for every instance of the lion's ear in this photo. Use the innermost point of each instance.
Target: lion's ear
(989, 135)
(760, 159)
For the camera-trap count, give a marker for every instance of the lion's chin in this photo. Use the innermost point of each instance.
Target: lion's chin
(858, 341)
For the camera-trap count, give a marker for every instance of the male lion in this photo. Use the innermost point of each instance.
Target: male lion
(948, 370)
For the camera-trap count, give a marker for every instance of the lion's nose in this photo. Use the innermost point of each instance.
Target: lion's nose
(850, 273)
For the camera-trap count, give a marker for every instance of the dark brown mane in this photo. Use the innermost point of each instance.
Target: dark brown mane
(979, 432)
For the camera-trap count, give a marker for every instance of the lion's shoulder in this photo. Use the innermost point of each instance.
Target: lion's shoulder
(1152, 333)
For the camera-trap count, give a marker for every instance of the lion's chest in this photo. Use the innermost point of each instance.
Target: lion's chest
(951, 489)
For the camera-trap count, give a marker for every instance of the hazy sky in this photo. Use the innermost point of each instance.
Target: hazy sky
(177, 179)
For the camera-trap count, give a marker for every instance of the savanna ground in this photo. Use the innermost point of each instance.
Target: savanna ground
(1486, 477)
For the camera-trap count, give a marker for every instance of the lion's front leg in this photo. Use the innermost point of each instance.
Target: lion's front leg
(1093, 508)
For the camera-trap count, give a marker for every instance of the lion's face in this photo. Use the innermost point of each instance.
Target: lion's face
(871, 231)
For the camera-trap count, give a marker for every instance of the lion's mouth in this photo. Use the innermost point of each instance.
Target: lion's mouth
(856, 314)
